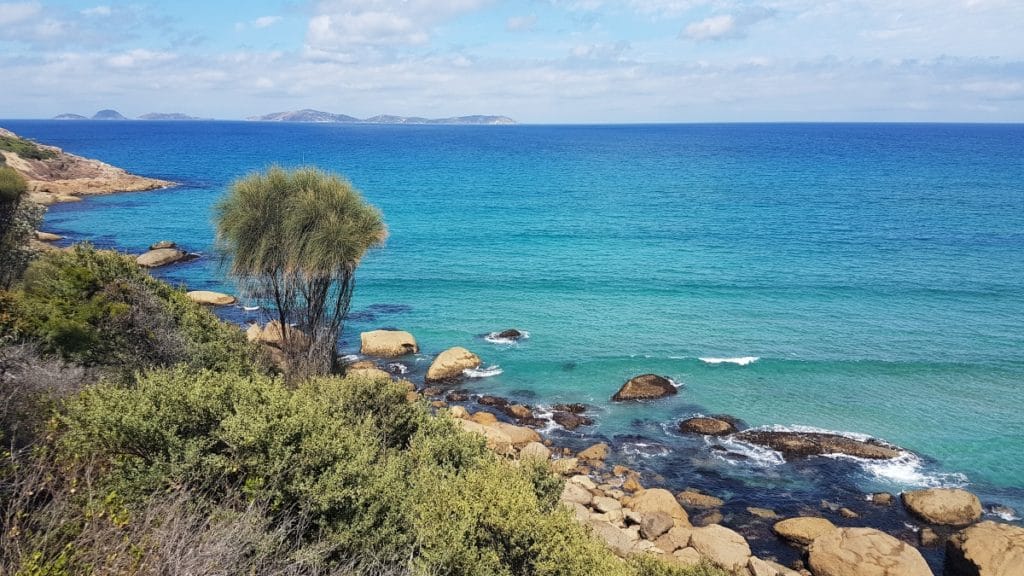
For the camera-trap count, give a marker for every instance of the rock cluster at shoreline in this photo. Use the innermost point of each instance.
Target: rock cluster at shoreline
(65, 177)
(633, 519)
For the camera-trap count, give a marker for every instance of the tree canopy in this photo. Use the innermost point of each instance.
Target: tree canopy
(294, 239)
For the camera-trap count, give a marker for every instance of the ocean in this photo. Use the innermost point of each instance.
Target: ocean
(861, 278)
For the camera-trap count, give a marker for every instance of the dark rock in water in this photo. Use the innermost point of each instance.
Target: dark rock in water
(570, 421)
(533, 422)
(190, 256)
(492, 401)
(510, 334)
(570, 408)
(882, 498)
(707, 518)
(802, 444)
(706, 426)
(569, 366)
(433, 391)
(645, 387)
(457, 397)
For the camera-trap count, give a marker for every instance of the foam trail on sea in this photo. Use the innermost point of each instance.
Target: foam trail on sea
(483, 372)
(739, 361)
(758, 455)
(495, 338)
(907, 470)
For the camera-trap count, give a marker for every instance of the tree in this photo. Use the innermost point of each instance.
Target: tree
(293, 239)
(19, 219)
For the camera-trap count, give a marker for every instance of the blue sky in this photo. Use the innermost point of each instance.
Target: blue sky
(543, 61)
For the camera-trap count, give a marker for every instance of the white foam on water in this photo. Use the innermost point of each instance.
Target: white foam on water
(494, 338)
(674, 382)
(398, 367)
(739, 361)
(753, 454)
(351, 357)
(482, 372)
(645, 449)
(1004, 513)
(250, 308)
(545, 413)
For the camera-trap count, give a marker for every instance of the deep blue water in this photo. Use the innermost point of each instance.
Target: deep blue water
(876, 271)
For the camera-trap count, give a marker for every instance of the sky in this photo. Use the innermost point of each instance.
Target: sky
(537, 61)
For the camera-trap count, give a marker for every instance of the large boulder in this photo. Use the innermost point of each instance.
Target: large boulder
(694, 499)
(645, 387)
(273, 334)
(621, 542)
(721, 546)
(597, 452)
(496, 439)
(707, 426)
(803, 530)
(210, 298)
(47, 236)
(160, 257)
(450, 364)
(986, 549)
(864, 552)
(387, 343)
(802, 444)
(947, 506)
(659, 500)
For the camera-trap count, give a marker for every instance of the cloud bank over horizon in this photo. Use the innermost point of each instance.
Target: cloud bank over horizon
(543, 61)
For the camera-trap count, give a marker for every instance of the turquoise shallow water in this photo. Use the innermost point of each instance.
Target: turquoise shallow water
(876, 271)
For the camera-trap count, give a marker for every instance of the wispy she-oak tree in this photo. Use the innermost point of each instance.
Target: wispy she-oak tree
(293, 239)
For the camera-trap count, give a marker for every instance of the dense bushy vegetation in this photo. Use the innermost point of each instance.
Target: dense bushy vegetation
(18, 221)
(98, 308)
(25, 148)
(148, 438)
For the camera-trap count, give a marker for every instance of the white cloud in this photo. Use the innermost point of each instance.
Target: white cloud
(139, 57)
(97, 11)
(712, 28)
(521, 23)
(344, 24)
(16, 12)
(727, 25)
(265, 21)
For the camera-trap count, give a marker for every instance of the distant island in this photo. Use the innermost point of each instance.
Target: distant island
(169, 116)
(308, 115)
(115, 115)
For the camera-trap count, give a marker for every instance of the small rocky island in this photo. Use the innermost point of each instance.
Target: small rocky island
(308, 115)
(54, 175)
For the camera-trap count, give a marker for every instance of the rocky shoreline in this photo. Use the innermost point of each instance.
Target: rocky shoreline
(57, 176)
(633, 513)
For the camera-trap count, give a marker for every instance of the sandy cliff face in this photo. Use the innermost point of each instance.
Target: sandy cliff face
(65, 177)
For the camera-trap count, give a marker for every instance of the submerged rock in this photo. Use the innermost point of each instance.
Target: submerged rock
(645, 387)
(449, 364)
(986, 549)
(576, 408)
(947, 506)
(570, 421)
(707, 426)
(388, 343)
(801, 444)
(864, 552)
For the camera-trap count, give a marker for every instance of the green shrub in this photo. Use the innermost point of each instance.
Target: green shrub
(12, 184)
(99, 308)
(25, 148)
(371, 474)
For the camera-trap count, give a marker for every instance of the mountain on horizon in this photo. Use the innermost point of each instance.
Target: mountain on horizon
(308, 115)
(168, 116)
(108, 115)
(69, 116)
